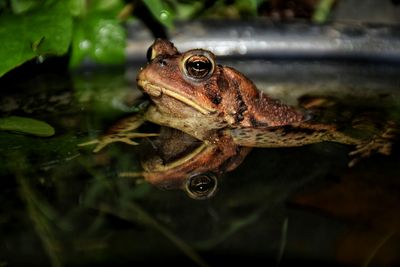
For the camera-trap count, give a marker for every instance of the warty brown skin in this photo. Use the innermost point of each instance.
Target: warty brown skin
(224, 99)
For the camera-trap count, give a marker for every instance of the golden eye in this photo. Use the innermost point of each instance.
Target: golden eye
(201, 186)
(198, 66)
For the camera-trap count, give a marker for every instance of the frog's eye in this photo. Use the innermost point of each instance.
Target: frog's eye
(201, 186)
(198, 66)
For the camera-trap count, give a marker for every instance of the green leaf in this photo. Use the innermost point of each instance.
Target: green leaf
(3, 4)
(106, 5)
(26, 125)
(248, 7)
(160, 11)
(77, 7)
(187, 10)
(20, 6)
(322, 11)
(45, 30)
(36, 44)
(99, 38)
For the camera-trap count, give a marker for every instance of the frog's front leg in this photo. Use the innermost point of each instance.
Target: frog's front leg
(379, 143)
(122, 131)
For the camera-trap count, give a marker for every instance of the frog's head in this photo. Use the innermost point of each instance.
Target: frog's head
(175, 160)
(194, 170)
(181, 80)
(192, 84)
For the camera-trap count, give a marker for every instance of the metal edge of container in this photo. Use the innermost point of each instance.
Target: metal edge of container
(263, 39)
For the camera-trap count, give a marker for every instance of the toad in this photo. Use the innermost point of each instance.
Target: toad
(213, 103)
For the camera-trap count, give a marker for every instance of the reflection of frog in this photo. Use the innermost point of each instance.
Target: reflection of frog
(175, 160)
(191, 92)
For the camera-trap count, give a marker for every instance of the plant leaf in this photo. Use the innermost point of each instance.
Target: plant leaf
(98, 34)
(160, 11)
(45, 30)
(26, 125)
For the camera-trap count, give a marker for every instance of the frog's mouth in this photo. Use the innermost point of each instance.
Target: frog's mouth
(181, 161)
(158, 91)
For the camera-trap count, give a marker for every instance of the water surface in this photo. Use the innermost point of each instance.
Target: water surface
(64, 205)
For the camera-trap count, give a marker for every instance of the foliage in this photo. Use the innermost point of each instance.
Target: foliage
(322, 11)
(98, 33)
(88, 29)
(33, 32)
(93, 29)
(51, 27)
(26, 125)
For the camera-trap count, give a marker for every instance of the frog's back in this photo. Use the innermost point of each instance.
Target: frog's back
(297, 134)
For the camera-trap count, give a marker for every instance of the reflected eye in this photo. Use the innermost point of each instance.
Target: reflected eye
(201, 186)
(198, 66)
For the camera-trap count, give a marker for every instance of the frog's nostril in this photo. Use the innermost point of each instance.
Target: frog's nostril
(162, 62)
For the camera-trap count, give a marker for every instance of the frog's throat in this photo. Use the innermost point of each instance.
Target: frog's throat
(181, 161)
(157, 91)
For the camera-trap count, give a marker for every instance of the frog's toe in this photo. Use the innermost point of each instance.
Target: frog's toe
(120, 137)
(366, 150)
(99, 147)
(380, 143)
(105, 141)
(91, 142)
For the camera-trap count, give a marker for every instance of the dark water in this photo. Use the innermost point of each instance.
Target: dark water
(64, 205)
